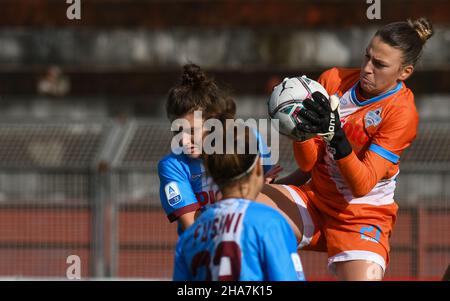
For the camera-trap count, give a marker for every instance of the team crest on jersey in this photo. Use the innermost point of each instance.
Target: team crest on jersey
(172, 193)
(373, 118)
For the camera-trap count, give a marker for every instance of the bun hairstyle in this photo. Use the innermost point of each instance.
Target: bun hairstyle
(423, 27)
(409, 37)
(194, 77)
(227, 168)
(197, 91)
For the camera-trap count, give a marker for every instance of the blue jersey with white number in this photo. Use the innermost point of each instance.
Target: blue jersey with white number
(184, 185)
(236, 239)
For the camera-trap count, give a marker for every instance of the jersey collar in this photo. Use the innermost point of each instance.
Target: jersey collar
(355, 100)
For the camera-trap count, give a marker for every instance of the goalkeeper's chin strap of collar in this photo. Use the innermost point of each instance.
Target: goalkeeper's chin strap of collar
(248, 171)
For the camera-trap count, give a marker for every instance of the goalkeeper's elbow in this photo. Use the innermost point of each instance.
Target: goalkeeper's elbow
(361, 189)
(360, 193)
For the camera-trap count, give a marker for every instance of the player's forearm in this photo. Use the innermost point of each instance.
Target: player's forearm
(305, 154)
(362, 176)
(187, 219)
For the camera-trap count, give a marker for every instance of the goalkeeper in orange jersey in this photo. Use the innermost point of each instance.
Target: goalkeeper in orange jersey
(347, 208)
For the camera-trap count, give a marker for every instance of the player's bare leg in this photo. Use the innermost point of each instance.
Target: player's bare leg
(276, 196)
(359, 270)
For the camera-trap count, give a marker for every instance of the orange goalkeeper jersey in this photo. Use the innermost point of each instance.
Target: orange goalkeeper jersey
(378, 129)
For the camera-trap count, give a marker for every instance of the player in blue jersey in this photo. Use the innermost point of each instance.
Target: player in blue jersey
(236, 238)
(184, 185)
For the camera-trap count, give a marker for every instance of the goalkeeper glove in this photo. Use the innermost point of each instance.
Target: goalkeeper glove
(323, 117)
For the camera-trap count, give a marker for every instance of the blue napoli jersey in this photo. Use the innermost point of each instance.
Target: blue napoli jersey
(185, 186)
(236, 239)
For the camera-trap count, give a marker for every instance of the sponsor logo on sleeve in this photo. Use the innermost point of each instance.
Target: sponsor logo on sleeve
(197, 176)
(173, 194)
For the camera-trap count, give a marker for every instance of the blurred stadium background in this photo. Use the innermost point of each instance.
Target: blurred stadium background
(82, 123)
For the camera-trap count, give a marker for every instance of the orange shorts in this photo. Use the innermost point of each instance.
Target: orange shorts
(347, 231)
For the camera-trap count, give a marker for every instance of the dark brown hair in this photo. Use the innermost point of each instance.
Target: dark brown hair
(196, 91)
(409, 37)
(227, 169)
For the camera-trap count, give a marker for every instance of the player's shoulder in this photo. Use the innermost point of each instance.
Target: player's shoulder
(405, 97)
(402, 105)
(338, 79)
(206, 216)
(251, 208)
(183, 238)
(172, 162)
(340, 73)
(263, 216)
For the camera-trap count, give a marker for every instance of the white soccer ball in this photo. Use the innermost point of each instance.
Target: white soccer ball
(286, 101)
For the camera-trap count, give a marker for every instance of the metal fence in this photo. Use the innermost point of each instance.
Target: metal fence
(91, 189)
